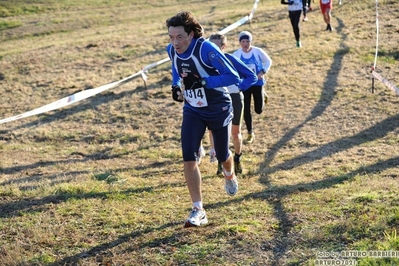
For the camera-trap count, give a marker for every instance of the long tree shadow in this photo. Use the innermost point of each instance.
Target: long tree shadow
(326, 97)
(101, 155)
(104, 154)
(283, 240)
(277, 247)
(274, 196)
(162, 167)
(377, 131)
(76, 259)
(31, 204)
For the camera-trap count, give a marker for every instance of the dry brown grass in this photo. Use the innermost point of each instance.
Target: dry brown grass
(100, 182)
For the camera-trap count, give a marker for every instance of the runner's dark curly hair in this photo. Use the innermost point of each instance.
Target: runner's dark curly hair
(188, 21)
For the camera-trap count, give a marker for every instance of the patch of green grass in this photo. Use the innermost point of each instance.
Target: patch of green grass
(17, 8)
(43, 259)
(367, 198)
(107, 177)
(391, 56)
(195, 253)
(70, 191)
(4, 25)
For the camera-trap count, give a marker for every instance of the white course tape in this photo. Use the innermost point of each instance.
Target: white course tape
(155, 64)
(72, 98)
(253, 9)
(373, 73)
(241, 21)
(385, 82)
(234, 25)
(89, 93)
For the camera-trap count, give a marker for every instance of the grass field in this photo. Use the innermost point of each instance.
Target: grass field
(101, 182)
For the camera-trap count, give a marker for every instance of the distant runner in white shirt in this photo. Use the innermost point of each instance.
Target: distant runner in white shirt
(260, 62)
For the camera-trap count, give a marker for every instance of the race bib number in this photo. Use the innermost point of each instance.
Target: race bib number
(196, 97)
(324, 2)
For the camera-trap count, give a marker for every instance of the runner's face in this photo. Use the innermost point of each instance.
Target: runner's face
(180, 39)
(245, 45)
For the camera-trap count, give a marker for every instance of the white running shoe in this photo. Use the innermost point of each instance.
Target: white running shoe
(212, 156)
(200, 154)
(197, 217)
(231, 185)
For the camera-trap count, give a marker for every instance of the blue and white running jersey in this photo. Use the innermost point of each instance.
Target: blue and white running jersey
(204, 60)
(257, 60)
(248, 77)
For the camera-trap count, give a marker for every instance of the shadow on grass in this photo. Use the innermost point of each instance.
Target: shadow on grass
(278, 247)
(378, 131)
(100, 249)
(282, 241)
(161, 168)
(273, 195)
(32, 205)
(101, 155)
(375, 132)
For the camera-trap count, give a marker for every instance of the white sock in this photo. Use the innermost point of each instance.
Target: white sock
(198, 204)
(228, 173)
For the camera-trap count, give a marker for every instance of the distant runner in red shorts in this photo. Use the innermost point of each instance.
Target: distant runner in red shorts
(326, 7)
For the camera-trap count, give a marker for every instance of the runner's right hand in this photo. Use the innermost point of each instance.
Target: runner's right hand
(177, 94)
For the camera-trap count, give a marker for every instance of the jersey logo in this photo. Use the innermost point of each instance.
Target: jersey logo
(212, 55)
